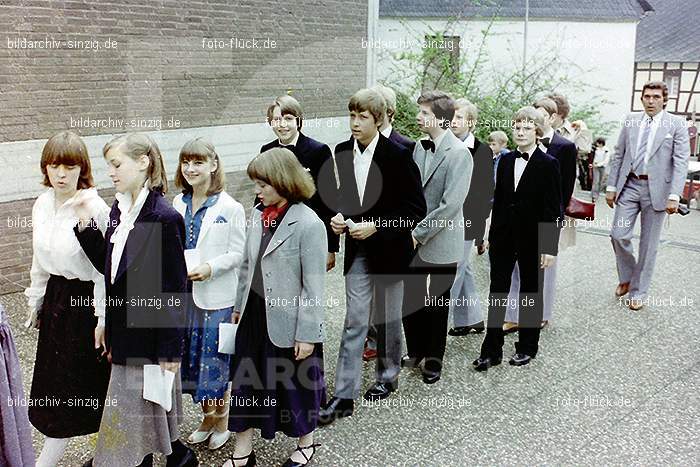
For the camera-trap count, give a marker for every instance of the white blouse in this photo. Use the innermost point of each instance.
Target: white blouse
(127, 218)
(56, 249)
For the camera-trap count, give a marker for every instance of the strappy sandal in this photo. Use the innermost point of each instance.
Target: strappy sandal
(291, 463)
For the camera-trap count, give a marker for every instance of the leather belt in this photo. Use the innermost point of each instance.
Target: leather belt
(638, 177)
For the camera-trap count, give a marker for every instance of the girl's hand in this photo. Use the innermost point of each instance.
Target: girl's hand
(200, 273)
(302, 350)
(236, 317)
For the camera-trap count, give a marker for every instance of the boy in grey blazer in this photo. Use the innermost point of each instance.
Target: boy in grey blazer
(647, 175)
(446, 167)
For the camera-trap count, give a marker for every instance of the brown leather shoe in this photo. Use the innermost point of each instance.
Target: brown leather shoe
(509, 327)
(369, 354)
(636, 304)
(622, 289)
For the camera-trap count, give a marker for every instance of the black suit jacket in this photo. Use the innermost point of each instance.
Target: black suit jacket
(145, 312)
(393, 198)
(317, 158)
(565, 152)
(530, 213)
(477, 205)
(401, 140)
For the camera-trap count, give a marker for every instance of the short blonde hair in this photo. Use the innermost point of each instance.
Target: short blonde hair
(369, 100)
(199, 149)
(136, 145)
(498, 136)
(67, 148)
(280, 168)
(547, 104)
(530, 114)
(389, 97)
(288, 106)
(472, 111)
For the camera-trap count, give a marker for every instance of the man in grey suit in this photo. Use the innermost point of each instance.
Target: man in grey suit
(446, 166)
(647, 174)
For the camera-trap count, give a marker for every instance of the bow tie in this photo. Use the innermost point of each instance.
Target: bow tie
(524, 155)
(428, 144)
(287, 146)
(546, 142)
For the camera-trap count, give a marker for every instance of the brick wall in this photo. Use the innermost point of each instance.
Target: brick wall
(16, 240)
(158, 68)
(163, 64)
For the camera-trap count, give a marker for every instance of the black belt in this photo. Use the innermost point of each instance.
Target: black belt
(638, 177)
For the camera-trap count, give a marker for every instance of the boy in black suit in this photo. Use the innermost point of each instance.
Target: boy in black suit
(285, 117)
(526, 207)
(380, 201)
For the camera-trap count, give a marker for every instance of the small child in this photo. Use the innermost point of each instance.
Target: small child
(498, 142)
(600, 163)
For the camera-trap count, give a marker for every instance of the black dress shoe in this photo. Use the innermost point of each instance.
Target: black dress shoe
(182, 456)
(410, 362)
(483, 364)
(334, 409)
(249, 463)
(478, 328)
(520, 359)
(291, 463)
(380, 391)
(431, 377)
(88, 463)
(147, 461)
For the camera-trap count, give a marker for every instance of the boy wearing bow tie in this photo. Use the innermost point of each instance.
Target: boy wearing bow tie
(526, 207)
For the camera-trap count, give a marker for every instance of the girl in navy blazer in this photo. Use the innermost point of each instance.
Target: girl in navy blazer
(141, 255)
(214, 235)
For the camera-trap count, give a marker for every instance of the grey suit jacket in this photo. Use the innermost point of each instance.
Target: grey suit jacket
(445, 186)
(667, 166)
(293, 269)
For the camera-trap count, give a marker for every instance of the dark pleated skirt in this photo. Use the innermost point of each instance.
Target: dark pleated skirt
(271, 391)
(70, 379)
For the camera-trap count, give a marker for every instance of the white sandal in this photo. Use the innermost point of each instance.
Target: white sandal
(218, 439)
(198, 436)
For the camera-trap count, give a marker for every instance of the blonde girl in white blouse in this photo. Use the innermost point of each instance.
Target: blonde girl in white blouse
(70, 366)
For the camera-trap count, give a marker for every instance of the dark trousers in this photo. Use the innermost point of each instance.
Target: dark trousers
(502, 257)
(426, 309)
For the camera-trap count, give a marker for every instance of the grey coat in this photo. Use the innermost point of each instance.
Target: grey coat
(445, 186)
(293, 269)
(667, 166)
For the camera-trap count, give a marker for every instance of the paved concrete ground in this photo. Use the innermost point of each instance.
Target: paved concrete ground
(609, 387)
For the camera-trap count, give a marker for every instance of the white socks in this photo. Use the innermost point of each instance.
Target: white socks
(52, 452)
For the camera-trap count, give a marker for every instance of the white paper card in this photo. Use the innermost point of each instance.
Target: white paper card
(192, 259)
(158, 386)
(350, 223)
(227, 337)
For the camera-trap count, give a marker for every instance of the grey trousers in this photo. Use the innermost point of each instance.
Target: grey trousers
(360, 288)
(633, 200)
(464, 300)
(550, 283)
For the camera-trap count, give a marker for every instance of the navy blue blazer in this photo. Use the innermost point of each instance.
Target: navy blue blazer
(565, 152)
(317, 158)
(145, 312)
(527, 216)
(477, 205)
(393, 198)
(401, 140)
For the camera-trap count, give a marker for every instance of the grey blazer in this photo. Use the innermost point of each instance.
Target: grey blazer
(445, 186)
(293, 269)
(667, 166)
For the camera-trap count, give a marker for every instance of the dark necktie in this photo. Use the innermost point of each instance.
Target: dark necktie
(524, 155)
(428, 144)
(361, 147)
(545, 142)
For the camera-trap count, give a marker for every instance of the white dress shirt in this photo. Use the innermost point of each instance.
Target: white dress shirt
(520, 165)
(386, 132)
(602, 157)
(362, 161)
(469, 140)
(653, 123)
(57, 250)
(127, 218)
